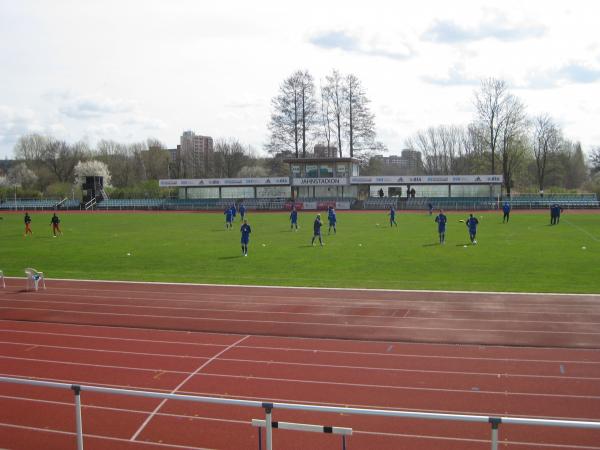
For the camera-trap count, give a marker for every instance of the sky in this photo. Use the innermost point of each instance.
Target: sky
(128, 69)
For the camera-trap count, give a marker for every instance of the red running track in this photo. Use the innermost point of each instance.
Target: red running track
(334, 347)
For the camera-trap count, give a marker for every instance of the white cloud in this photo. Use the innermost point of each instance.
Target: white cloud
(373, 45)
(86, 107)
(127, 70)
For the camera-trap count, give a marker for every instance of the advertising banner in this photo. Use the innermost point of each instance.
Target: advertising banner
(320, 181)
(275, 181)
(430, 179)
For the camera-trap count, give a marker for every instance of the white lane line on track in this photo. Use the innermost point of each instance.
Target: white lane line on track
(484, 441)
(494, 374)
(318, 324)
(304, 300)
(355, 431)
(335, 314)
(294, 380)
(343, 352)
(96, 436)
(180, 385)
(125, 410)
(322, 403)
(251, 286)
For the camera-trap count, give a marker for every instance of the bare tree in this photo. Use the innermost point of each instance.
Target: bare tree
(308, 104)
(31, 147)
(326, 117)
(360, 121)
(512, 139)
(294, 114)
(334, 92)
(595, 159)
(546, 141)
(61, 158)
(490, 102)
(230, 157)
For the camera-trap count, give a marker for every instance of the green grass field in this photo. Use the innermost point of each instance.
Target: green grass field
(525, 255)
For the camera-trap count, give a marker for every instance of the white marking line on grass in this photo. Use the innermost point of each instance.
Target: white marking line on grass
(248, 286)
(370, 368)
(583, 230)
(180, 385)
(316, 314)
(327, 324)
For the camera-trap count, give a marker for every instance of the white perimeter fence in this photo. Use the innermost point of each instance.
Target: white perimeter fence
(268, 408)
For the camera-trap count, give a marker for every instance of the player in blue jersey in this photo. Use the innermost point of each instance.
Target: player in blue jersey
(392, 215)
(245, 230)
(472, 223)
(441, 220)
(242, 210)
(228, 218)
(506, 210)
(555, 211)
(294, 219)
(233, 212)
(332, 218)
(317, 230)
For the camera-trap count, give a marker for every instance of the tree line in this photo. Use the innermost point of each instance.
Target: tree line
(337, 115)
(531, 152)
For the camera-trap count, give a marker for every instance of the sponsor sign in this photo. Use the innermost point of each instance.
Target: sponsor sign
(320, 181)
(342, 205)
(430, 179)
(276, 181)
(309, 205)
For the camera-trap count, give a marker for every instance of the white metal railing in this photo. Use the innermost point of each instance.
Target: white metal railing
(90, 204)
(268, 408)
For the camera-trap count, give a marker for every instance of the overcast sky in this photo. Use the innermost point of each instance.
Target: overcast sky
(128, 69)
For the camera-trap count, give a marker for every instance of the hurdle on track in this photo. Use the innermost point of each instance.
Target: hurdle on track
(301, 427)
(268, 408)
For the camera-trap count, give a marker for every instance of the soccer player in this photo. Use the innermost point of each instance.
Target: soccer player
(555, 211)
(317, 230)
(441, 220)
(228, 218)
(233, 212)
(559, 210)
(242, 210)
(332, 220)
(506, 210)
(55, 221)
(245, 230)
(430, 206)
(392, 215)
(472, 223)
(294, 219)
(27, 221)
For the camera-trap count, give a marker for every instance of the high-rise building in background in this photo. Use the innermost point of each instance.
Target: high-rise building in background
(409, 163)
(324, 151)
(195, 155)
